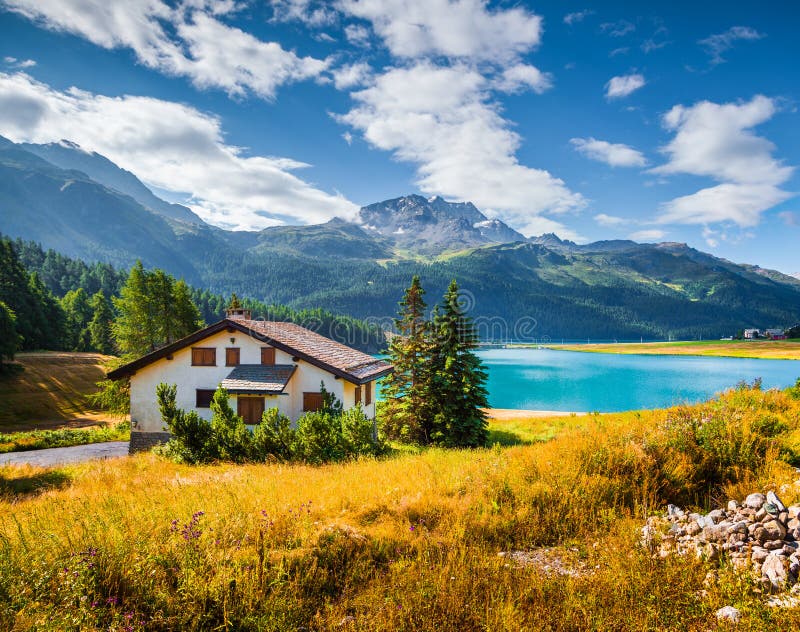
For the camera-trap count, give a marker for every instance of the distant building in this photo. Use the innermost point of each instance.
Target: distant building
(751, 334)
(775, 334)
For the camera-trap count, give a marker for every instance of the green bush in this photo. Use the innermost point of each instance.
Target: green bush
(274, 436)
(330, 434)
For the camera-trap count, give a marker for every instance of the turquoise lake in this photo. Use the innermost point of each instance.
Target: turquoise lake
(544, 379)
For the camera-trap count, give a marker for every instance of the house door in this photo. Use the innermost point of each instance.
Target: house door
(250, 409)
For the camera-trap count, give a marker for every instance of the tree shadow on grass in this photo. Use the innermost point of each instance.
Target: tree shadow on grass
(20, 483)
(506, 438)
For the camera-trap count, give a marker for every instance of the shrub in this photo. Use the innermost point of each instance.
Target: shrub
(274, 436)
(191, 434)
(319, 438)
(230, 439)
(359, 433)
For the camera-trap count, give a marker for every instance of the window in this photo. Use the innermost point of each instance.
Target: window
(232, 356)
(367, 393)
(204, 356)
(204, 397)
(267, 355)
(312, 402)
(250, 409)
(358, 395)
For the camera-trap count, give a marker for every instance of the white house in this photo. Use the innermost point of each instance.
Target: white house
(751, 334)
(262, 364)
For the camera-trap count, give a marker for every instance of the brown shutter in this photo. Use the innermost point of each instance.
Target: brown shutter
(232, 356)
(367, 393)
(250, 409)
(312, 402)
(204, 356)
(358, 395)
(267, 355)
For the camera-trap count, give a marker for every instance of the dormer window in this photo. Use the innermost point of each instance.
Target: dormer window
(268, 355)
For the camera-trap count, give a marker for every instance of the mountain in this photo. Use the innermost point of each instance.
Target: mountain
(516, 288)
(70, 156)
(433, 225)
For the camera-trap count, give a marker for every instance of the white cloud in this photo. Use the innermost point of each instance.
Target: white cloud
(577, 16)
(521, 77)
(790, 218)
(310, 12)
(348, 138)
(185, 41)
(613, 154)
(617, 29)
(623, 85)
(718, 44)
(650, 234)
(448, 126)
(458, 29)
(609, 220)
(351, 75)
(717, 141)
(19, 63)
(357, 34)
(170, 146)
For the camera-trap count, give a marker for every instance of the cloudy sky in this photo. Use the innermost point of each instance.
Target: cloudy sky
(676, 121)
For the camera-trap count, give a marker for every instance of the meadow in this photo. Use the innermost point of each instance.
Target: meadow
(768, 349)
(408, 542)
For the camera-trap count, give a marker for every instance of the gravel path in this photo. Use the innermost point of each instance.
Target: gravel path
(59, 456)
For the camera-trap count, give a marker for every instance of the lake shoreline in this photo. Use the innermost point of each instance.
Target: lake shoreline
(755, 350)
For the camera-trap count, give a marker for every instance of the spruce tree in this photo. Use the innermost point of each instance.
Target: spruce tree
(78, 313)
(406, 413)
(100, 337)
(135, 329)
(457, 377)
(186, 316)
(9, 338)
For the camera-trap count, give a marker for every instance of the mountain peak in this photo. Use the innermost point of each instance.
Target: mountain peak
(433, 225)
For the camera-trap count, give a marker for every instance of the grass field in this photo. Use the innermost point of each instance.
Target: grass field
(769, 349)
(405, 543)
(50, 392)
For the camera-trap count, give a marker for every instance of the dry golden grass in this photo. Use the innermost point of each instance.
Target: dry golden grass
(51, 391)
(767, 349)
(406, 543)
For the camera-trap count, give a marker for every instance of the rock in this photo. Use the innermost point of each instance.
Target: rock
(794, 511)
(793, 523)
(774, 570)
(732, 505)
(693, 528)
(774, 529)
(772, 499)
(755, 501)
(729, 614)
(774, 545)
(675, 512)
(761, 514)
(716, 516)
(759, 554)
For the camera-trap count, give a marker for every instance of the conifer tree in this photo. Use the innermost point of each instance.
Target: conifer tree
(457, 385)
(9, 338)
(135, 329)
(406, 412)
(78, 313)
(100, 326)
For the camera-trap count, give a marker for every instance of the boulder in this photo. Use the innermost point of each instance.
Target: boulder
(774, 570)
(772, 499)
(755, 501)
(729, 614)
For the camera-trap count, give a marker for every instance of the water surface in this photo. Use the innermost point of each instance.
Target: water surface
(545, 379)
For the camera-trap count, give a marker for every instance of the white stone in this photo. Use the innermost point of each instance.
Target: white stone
(729, 613)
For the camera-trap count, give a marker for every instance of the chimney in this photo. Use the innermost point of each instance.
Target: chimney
(237, 313)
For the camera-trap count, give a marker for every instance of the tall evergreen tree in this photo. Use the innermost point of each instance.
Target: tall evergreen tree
(187, 316)
(78, 313)
(100, 337)
(9, 338)
(457, 377)
(406, 413)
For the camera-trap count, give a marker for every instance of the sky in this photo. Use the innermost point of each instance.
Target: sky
(659, 121)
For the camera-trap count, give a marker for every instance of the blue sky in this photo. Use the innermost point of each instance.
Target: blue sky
(674, 121)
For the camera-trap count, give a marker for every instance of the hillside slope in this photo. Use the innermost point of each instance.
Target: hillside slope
(517, 288)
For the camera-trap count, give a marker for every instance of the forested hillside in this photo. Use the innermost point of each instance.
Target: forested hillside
(524, 289)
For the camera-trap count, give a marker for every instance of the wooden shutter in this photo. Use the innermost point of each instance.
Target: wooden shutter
(267, 355)
(203, 398)
(367, 393)
(204, 356)
(250, 409)
(312, 402)
(232, 356)
(358, 395)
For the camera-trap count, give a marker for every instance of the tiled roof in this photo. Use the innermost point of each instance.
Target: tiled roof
(304, 344)
(258, 378)
(331, 353)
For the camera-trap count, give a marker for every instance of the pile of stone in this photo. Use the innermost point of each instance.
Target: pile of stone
(760, 535)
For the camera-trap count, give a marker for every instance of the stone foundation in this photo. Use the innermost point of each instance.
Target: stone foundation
(143, 441)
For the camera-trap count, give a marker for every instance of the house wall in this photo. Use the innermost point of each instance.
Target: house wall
(146, 418)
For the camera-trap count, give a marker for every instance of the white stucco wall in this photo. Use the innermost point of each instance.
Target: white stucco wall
(145, 415)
